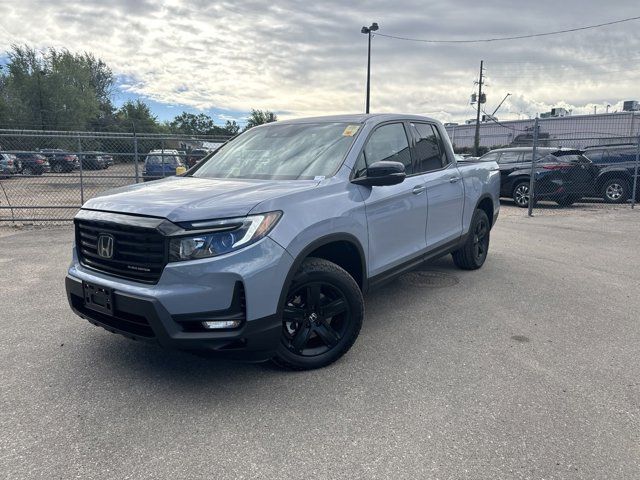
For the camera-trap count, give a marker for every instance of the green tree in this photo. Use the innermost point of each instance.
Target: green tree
(54, 89)
(136, 114)
(231, 127)
(258, 117)
(191, 124)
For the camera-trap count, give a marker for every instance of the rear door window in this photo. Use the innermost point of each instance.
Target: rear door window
(430, 151)
(510, 157)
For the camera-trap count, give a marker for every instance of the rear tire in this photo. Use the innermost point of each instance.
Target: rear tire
(57, 168)
(520, 194)
(322, 316)
(615, 190)
(474, 252)
(28, 171)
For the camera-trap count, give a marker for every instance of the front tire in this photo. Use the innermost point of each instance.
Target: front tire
(322, 316)
(474, 251)
(615, 190)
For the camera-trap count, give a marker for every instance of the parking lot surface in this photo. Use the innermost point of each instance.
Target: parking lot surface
(527, 368)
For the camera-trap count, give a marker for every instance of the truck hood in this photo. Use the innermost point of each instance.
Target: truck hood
(181, 199)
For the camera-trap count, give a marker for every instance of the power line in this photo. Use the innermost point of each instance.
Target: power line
(500, 39)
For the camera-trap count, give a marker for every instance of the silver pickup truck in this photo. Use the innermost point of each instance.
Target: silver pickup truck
(263, 250)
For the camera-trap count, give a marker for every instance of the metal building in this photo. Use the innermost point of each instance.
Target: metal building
(576, 131)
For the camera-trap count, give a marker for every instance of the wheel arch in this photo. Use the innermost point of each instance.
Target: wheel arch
(485, 203)
(610, 174)
(338, 248)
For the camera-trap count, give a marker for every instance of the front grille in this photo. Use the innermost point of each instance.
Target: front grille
(138, 252)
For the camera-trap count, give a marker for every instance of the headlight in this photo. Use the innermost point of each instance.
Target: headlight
(224, 236)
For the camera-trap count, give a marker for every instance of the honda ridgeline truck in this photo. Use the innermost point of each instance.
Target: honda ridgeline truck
(264, 249)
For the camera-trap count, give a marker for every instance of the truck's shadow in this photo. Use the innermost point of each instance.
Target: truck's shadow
(181, 372)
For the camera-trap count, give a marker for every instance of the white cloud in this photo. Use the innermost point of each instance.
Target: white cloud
(309, 58)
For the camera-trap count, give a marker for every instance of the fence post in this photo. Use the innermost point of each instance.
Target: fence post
(532, 179)
(135, 155)
(81, 172)
(635, 176)
(162, 155)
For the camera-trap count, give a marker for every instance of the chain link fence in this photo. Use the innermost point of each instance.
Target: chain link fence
(557, 162)
(46, 176)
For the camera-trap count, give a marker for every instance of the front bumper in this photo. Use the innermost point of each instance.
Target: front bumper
(145, 319)
(171, 312)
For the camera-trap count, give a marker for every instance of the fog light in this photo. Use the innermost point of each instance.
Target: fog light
(218, 324)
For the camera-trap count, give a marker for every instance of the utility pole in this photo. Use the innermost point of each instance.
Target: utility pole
(476, 141)
(367, 31)
(39, 73)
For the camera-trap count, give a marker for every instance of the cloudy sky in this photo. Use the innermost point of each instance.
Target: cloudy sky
(302, 58)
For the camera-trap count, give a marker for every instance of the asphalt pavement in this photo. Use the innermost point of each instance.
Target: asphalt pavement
(526, 368)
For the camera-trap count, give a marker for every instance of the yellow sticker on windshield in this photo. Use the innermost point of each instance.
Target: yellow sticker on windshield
(350, 131)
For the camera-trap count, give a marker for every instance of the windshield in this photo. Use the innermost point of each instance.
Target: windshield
(285, 151)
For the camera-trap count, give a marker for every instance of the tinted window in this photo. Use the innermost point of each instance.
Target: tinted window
(574, 159)
(160, 159)
(490, 157)
(429, 149)
(511, 157)
(620, 155)
(389, 143)
(596, 156)
(361, 165)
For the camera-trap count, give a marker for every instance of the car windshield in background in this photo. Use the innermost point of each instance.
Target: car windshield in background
(159, 160)
(285, 152)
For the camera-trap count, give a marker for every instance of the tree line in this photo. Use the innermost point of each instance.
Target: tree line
(56, 89)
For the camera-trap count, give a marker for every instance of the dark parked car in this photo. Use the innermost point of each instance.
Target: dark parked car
(195, 155)
(614, 181)
(108, 159)
(562, 175)
(8, 165)
(60, 160)
(93, 161)
(33, 163)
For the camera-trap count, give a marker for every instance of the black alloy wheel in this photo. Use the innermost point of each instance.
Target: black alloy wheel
(321, 316)
(473, 253)
(315, 318)
(481, 239)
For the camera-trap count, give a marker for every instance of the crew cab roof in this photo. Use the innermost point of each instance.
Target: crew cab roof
(358, 118)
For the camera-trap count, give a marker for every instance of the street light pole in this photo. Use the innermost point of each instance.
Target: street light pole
(367, 30)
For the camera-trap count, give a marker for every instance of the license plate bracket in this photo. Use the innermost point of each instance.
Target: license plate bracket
(98, 298)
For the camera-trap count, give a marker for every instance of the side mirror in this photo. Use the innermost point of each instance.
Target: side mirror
(382, 173)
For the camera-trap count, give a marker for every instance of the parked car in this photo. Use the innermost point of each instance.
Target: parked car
(195, 155)
(108, 159)
(614, 182)
(32, 163)
(263, 251)
(60, 160)
(8, 165)
(160, 164)
(562, 175)
(93, 161)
